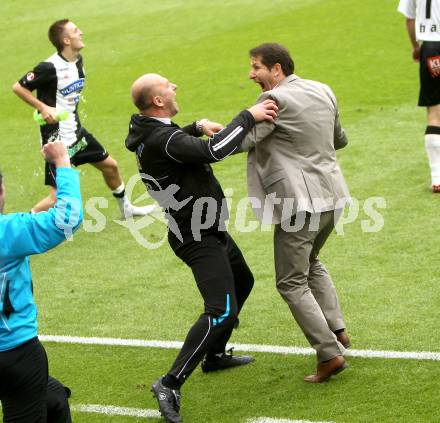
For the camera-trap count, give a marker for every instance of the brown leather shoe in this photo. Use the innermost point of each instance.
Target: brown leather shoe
(327, 369)
(343, 338)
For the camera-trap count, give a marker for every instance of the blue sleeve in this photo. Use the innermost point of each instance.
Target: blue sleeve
(23, 234)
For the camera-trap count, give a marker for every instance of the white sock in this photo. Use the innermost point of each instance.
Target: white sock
(121, 197)
(119, 190)
(432, 145)
(127, 209)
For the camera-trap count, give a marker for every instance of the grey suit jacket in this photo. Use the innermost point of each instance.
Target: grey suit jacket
(292, 163)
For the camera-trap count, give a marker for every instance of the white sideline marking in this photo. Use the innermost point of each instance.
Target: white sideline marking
(175, 345)
(269, 420)
(111, 410)
(273, 349)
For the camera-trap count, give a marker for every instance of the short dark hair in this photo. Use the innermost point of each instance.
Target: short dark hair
(1, 181)
(272, 53)
(55, 33)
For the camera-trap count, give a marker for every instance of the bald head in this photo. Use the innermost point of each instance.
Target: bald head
(154, 95)
(145, 88)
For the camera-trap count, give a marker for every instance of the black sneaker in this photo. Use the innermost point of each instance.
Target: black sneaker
(225, 361)
(168, 400)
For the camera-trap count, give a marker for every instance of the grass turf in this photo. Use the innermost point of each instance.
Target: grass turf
(105, 284)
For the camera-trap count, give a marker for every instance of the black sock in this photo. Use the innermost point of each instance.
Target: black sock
(171, 382)
(433, 130)
(120, 195)
(336, 332)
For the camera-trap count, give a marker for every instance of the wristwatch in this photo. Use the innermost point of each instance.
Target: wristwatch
(199, 125)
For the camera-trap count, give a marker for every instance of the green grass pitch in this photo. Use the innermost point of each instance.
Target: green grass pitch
(104, 284)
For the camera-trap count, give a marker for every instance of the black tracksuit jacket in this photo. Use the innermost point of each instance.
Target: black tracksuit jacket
(174, 165)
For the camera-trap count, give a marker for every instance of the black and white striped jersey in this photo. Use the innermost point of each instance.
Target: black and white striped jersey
(59, 84)
(427, 16)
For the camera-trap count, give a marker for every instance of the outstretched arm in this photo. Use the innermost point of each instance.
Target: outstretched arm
(23, 234)
(203, 127)
(261, 131)
(185, 148)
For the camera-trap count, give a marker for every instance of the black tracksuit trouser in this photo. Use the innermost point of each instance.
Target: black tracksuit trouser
(224, 281)
(27, 393)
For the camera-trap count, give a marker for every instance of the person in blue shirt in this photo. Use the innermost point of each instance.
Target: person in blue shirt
(27, 393)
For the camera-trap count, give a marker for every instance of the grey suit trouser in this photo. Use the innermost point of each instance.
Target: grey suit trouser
(304, 283)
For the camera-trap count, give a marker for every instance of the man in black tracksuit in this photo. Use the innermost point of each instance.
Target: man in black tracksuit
(174, 164)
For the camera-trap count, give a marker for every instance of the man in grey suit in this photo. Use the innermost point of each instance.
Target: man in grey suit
(295, 183)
